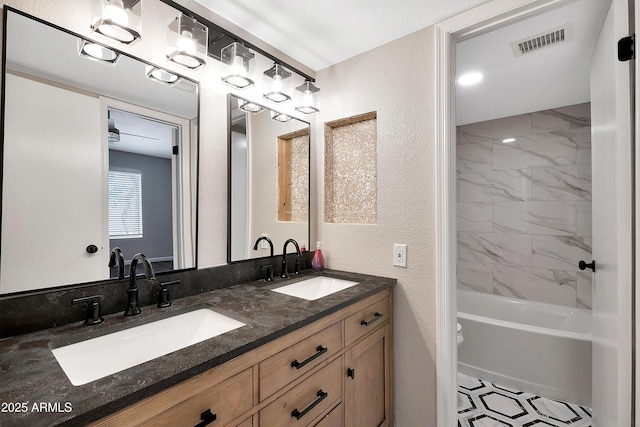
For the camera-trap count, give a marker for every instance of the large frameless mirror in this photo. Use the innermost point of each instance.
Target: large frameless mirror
(99, 153)
(269, 180)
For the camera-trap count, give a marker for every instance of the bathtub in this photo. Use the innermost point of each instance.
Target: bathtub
(533, 347)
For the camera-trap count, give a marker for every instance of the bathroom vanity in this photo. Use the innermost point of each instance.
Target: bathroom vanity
(324, 362)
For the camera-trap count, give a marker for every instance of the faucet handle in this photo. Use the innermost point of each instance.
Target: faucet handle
(94, 311)
(298, 265)
(165, 300)
(268, 275)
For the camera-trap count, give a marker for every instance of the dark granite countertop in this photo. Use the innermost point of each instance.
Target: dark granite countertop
(35, 391)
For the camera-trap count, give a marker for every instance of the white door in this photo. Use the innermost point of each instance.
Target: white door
(612, 177)
(52, 196)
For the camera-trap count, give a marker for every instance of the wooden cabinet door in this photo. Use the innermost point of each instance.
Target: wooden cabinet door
(367, 386)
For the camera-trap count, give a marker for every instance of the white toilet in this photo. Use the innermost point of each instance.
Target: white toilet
(459, 336)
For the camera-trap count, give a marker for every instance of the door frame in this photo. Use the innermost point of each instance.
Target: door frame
(483, 18)
(182, 172)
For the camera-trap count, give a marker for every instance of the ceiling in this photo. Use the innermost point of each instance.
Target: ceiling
(547, 78)
(142, 135)
(319, 34)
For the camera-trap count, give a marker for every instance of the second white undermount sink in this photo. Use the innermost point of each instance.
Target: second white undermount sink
(315, 288)
(99, 357)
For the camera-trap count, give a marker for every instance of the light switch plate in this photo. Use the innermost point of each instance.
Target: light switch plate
(400, 255)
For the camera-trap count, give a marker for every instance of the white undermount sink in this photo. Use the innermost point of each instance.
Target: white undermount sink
(99, 357)
(315, 288)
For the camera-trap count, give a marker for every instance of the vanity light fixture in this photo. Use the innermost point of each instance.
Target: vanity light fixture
(280, 117)
(278, 86)
(307, 98)
(161, 76)
(187, 42)
(97, 52)
(239, 60)
(117, 19)
(249, 107)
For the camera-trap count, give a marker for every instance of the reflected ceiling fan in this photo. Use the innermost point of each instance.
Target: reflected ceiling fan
(114, 133)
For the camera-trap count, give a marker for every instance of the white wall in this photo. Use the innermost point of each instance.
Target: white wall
(396, 80)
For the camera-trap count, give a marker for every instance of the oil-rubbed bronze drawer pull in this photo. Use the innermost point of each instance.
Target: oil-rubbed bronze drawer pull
(320, 351)
(207, 418)
(375, 317)
(321, 396)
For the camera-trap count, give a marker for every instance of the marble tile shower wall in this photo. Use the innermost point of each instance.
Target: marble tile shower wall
(524, 207)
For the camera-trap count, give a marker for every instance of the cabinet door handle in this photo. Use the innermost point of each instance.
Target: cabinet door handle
(375, 317)
(351, 373)
(592, 265)
(320, 350)
(321, 396)
(207, 418)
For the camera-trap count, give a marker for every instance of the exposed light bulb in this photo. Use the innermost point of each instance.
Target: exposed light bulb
(237, 74)
(307, 99)
(186, 44)
(237, 68)
(277, 83)
(115, 12)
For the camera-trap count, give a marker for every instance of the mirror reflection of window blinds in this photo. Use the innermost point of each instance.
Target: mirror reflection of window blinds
(125, 204)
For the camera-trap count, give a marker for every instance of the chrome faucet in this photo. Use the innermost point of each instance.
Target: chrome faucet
(132, 293)
(117, 258)
(285, 273)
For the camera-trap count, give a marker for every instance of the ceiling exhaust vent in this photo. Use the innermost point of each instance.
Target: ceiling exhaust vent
(542, 41)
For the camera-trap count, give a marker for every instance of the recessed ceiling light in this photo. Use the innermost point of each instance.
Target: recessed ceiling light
(506, 140)
(469, 79)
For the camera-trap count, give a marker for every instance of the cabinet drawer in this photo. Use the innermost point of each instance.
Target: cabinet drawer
(334, 418)
(366, 320)
(292, 362)
(306, 401)
(226, 400)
